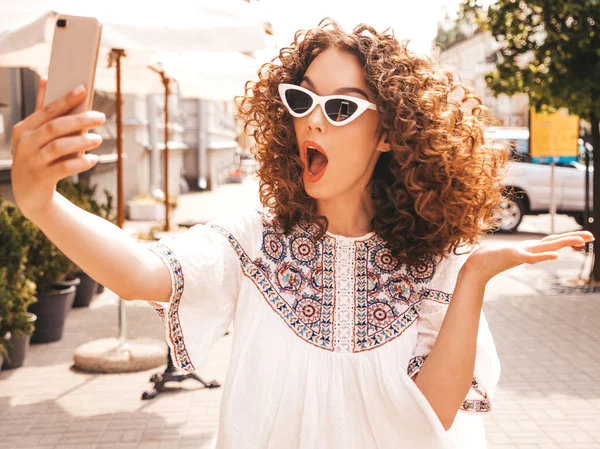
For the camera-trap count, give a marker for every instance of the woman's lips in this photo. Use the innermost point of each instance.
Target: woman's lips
(322, 166)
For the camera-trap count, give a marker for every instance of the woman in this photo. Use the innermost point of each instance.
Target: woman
(357, 295)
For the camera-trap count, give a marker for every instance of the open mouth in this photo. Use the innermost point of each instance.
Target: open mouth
(316, 159)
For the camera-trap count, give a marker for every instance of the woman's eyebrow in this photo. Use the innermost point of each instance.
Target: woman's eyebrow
(341, 90)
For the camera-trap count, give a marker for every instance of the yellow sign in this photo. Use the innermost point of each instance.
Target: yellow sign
(553, 135)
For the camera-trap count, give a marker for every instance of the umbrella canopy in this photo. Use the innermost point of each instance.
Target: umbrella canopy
(207, 75)
(27, 27)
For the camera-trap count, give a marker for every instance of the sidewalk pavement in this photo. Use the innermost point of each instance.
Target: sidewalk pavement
(548, 396)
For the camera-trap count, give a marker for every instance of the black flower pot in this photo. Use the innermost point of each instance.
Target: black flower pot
(5, 337)
(51, 309)
(72, 279)
(17, 349)
(86, 290)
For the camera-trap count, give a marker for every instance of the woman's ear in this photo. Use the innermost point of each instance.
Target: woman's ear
(384, 144)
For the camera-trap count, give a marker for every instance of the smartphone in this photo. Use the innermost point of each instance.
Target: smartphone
(73, 58)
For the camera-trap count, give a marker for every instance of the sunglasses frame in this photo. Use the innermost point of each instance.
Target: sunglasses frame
(362, 104)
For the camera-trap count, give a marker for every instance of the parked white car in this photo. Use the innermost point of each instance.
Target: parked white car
(530, 182)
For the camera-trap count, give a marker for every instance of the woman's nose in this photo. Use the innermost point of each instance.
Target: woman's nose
(316, 120)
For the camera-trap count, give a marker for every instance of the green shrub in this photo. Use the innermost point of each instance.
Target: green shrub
(17, 290)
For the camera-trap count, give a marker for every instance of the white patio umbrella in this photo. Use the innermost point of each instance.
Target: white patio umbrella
(140, 28)
(177, 27)
(207, 75)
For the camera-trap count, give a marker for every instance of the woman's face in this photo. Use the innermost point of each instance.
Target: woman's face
(351, 150)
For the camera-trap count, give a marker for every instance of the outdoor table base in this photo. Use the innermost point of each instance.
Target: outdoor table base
(111, 355)
(171, 375)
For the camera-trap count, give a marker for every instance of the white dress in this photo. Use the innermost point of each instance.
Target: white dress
(326, 335)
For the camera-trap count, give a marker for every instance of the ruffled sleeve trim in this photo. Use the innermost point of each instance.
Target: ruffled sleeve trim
(482, 404)
(170, 316)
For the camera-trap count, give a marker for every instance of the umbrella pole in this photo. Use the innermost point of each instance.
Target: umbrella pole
(118, 54)
(110, 355)
(119, 111)
(166, 82)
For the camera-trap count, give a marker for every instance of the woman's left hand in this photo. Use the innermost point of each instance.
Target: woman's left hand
(487, 262)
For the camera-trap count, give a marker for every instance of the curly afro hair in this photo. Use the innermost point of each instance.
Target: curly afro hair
(440, 185)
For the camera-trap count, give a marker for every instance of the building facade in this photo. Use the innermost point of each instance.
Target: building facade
(474, 57)
(202, 139)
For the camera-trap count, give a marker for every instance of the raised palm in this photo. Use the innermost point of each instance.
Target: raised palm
(487, 262)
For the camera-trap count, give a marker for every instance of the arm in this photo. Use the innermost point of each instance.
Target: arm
(49, 146)
(446, 374)
(105, 252)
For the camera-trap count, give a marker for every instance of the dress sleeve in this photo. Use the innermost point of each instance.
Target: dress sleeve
(205, 278)
(435, 298)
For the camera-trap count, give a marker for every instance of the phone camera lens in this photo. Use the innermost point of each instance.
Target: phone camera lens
(61, 23)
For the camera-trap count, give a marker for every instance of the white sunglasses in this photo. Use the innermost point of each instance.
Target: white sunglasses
(339, 110)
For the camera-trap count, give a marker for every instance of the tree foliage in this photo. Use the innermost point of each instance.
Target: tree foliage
(549, 49)
(452, 31)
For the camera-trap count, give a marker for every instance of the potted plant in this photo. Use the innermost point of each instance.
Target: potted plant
(46, 267)
(15, 321)
(84, 196)
(17, 292)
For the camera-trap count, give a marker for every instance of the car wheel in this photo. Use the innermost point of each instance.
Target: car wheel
(510, 214)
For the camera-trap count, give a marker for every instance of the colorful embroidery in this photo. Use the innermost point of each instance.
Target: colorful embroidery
(415, 365)
(384, 260)
(437, 296)
(273, 246)
(177, 342)
(424, 272)
(469, 405)
(335, 293)
(386, 296)
(310, 315)
(476, 405)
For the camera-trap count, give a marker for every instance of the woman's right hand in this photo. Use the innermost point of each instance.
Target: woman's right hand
(48, 146)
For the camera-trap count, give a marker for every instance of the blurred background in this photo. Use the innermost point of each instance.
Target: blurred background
(535, 64)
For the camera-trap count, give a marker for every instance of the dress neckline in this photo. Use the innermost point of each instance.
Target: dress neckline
(351, 239)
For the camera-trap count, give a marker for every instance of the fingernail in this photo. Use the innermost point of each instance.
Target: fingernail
(79, 89)
(92, 158)
(96, 116)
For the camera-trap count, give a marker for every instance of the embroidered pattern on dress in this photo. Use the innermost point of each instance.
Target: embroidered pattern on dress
(437, 296)
(344, 268)
(180, 352)
(385, 295)
(337, 294)
(468, 405)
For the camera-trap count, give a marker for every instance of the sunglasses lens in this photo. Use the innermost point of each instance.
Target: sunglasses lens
(299, 101)
(339, 110)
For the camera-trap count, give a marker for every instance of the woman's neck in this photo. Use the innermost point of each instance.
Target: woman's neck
(348, 215)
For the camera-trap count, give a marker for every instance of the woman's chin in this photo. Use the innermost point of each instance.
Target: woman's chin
(323, 189)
